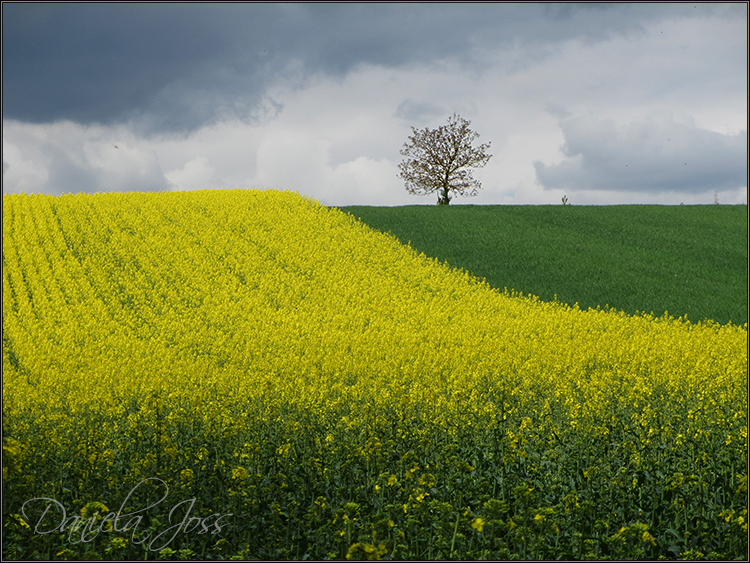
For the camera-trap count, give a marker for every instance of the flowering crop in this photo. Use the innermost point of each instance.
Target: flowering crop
(345, 396)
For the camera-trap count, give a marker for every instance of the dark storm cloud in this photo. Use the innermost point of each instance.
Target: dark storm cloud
(110, 62)
(651, 155)
(175, 67)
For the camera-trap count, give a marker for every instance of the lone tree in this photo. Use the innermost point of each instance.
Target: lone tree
(439, 160)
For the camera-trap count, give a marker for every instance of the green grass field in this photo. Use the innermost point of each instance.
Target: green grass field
(687, 260)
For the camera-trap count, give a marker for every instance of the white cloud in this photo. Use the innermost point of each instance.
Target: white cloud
(20, 173)
(300, 161)
(195, 175)
(293, 160)
(67, 157)
(364, 181)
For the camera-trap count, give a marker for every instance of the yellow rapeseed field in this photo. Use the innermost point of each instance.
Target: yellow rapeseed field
(344, 396)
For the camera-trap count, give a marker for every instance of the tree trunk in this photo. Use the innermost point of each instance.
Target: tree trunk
(443, 197)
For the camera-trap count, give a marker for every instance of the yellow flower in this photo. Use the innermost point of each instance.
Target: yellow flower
(478, 524)
(21, 521)
(187, 476)
(420, 496)
(370, 551)
(239, 473)
(648, 538)
(94, 510)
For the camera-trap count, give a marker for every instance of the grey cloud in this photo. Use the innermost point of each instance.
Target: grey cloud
(95, 62)
(650, 155)
(556, 110)
(418, 113)
(66, 175)
(176, 67)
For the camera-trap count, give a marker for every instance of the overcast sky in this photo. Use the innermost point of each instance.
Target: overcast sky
(605, 103)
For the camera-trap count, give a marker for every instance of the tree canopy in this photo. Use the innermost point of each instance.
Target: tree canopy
(440, 160)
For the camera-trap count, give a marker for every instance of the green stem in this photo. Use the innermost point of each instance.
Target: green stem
(455, 531)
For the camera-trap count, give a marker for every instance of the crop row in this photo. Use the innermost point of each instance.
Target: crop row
(341, 396)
